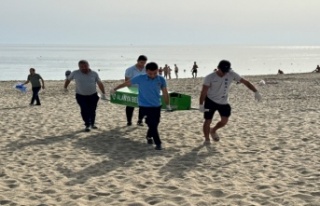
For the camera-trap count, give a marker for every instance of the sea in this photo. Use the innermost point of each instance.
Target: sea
(51, 61)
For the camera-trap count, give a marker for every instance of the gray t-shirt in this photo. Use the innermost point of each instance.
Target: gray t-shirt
(133, 71)
(219, 86)
(85, 83)
(35, 80)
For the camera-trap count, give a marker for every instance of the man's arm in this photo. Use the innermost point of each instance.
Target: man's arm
(248, 84)
(101, 87)
(165, 95)
(203, 94)
(127, 75)
(26, 82)
(125, 84)
(42, 83)
(257, 95)
(66, 83)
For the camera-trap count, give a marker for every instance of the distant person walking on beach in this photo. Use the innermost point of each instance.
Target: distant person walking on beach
(35, 78)
(86, 92)
(131, 72)
(280, 71)
(176, 71)
(160, 71)
(194, 70)
(169, 72)
(150, 86)
(214, 97)
(165, 71)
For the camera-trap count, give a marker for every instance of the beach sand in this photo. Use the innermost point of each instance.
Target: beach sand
(268, 154)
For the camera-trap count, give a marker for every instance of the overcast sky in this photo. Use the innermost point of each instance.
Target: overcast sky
(149, 22)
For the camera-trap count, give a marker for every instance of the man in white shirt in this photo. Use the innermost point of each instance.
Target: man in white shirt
(131, 72)
(86, 92)
(214, 97)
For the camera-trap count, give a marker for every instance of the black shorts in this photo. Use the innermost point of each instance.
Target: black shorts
(223, 109)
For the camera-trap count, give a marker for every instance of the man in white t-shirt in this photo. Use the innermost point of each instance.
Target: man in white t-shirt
(134, 71)
(214, 97)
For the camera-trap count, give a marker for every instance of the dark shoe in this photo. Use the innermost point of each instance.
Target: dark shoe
(139, 123)
(94, 127)
(129, 124)
(87, 129)
(150, 140)
(158, 147)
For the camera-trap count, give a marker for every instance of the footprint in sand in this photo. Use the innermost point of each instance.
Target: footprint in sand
(103, 194)
(55, 156)
(75, 196)
(49, 192)
(5, 202)
(217, 193)
(92, 197)
(136, 204)
(263, 187)
(141, 186)
(12, 183)
(304, 197)
(172, 188)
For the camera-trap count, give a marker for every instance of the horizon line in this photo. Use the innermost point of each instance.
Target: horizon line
(150, 45)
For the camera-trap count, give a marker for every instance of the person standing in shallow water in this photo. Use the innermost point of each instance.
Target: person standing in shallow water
(35, 78)
(160, 71)
(169, 72)
(194, 70)
(86, 92)
(176, 71)
(165, 71)
(131, 72)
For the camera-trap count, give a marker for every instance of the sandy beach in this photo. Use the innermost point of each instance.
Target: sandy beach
(268, 154)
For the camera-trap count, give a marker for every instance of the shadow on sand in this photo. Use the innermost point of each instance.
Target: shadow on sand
(179, 165)
(118, 152)
(21, 144)
(13, 108)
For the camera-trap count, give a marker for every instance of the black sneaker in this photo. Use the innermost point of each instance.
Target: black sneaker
(139, 123)
(87, 129)
(150, 140)
(94, 127)
(158, 147)
(129, 124)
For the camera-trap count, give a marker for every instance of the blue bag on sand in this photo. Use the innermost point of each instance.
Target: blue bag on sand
(22, 88)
